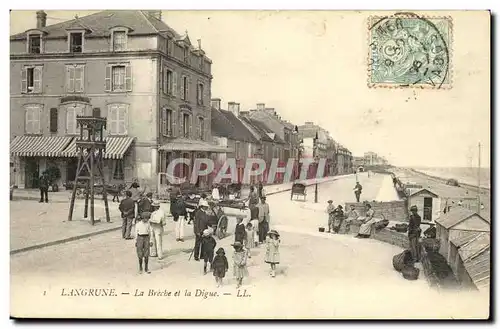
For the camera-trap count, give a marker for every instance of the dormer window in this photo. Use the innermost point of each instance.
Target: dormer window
(34, 43)
(76, 42)
(170, 46)
(119, 40)
(186, 54)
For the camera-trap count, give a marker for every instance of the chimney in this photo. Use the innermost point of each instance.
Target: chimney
(41, 19)
(234, 108)
(154, 13)
(261, 106)
(215, 102)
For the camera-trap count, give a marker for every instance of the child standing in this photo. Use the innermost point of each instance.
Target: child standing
(208, 244)
(330, 211)
(272, 250)
(220, 266)
(240, 233)
(240, 263)
(249, 242)
(142, 244)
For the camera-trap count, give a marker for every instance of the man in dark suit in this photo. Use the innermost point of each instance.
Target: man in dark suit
(127, 209)
(201, 218)
(44, 188)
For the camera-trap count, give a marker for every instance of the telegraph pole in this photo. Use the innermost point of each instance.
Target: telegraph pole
(315, 152)
(479, 179)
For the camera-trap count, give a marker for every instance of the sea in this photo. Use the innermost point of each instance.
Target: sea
(466, 175)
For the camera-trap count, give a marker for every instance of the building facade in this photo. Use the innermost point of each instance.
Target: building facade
(373, 159)
(150, 83)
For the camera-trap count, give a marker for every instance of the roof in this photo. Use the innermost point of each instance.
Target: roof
(464, 238)
(454, 216)
(226, 124)
(184, 144)
(266, 130)
(479, 269)
(474, 247)
(101, 23)
(255, 126)
(415, 192)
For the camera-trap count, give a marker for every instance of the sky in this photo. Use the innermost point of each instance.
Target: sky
(312, 66)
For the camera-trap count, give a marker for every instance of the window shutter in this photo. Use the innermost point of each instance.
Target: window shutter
(53, 120)
(107, 80)
(191, 127)
(164, 121)
(112, 119)
(198, 129)
(28, 121)
(174, 123)
(181, 124)
(187, 88)
(174, 84)
(122, 117)
(70, 78)
(36, 120)
(37, 79)
(128, 78)
(182, 87)
(206, 95)
(163, 79)
(24, 80)
(79, 71)
(70, 120)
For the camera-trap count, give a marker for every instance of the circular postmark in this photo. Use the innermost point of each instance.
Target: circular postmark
(407, 49)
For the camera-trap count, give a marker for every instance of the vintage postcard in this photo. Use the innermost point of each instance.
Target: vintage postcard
(250, 164)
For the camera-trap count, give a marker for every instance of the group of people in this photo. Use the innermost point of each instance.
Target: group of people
(340, 222)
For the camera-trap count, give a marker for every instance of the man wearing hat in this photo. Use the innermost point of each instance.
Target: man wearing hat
(201, 218)
(330, 210)
(264, 219)
(144, 204)
(414, 232)
(157, 221)
(338, 216)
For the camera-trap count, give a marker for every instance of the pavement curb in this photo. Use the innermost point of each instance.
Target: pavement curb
(86, 235)
(61, 241)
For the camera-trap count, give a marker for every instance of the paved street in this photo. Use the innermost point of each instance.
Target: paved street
(320, 275)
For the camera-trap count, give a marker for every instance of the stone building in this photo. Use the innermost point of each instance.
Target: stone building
(149, 81)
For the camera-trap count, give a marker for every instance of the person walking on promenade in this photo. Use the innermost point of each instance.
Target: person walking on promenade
(43, 184)
(338, 218)
(240, 233)
(127, 209)
(366, 228)
(208, 244)
(144, 205)
(240, 270)
(330, 212)
(142, 244)
(249, 239)
(351, 216)
(264, 219)
(414, 232)
(179, 214)
(220, 266)
(254, 211)
(260, 190)
(157, 222)
(357, 191)
(272, 251)
(200, 224)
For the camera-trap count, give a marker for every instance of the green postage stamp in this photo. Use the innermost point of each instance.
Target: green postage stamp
(408, 50)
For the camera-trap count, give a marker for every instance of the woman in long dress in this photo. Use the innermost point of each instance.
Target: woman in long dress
(365, 229)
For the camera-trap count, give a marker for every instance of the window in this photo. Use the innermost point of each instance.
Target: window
(201, 125)
(168, 81)
(53, 120)
(169, 47)
(186, 54)
(72, 111)
(118, 78)
(119, 40)
(76, 42)
(166, 122)
(237, 149)
(185, 125)
(185, 88)
(31, 79)
(199, 93)
(96, 112)
(118, 172)
(34, 44)
(75, 78)
(32, 124)
(118, 119)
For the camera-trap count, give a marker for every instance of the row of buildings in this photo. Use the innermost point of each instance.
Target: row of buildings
(369, 159)
(154, 87)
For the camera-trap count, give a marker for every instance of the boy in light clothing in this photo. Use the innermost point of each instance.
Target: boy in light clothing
(142, 243)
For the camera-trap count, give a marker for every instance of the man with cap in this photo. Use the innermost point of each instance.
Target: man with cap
(157, 222)
(201, 218)
(414, 232)
(127, 209)
(264, 219)
(179, 213)
(330, 210)
(338, 217)
(144, 204)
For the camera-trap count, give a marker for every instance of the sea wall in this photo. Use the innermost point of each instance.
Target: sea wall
(396, 211)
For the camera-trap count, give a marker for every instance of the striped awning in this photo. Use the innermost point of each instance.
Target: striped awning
(116, 147)
(39, 146)
(189, 145)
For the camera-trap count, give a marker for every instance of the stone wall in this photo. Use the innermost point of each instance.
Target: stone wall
(392, 211)
(391, 237)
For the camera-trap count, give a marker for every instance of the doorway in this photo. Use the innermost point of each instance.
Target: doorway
(32, 173)
(427, 209)
(71, 170)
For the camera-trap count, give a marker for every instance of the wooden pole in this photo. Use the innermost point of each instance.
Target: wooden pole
(92, 186)
(86, 209)
(104, 192)
(73, 195)
(479, 179)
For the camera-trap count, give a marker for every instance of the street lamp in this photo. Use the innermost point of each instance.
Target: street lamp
(315, 151)
(299, 151)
